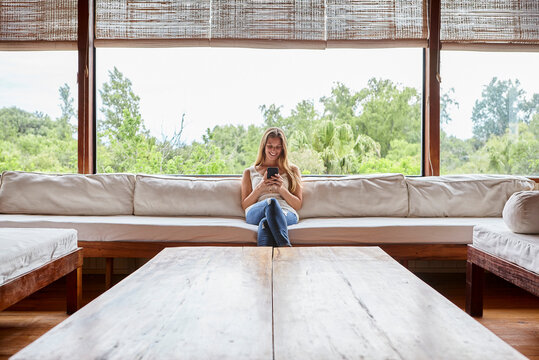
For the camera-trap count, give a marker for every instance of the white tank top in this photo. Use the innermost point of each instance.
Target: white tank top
(256, 178)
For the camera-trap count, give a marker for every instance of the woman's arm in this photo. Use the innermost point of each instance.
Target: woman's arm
(248, 195)
(294, 199)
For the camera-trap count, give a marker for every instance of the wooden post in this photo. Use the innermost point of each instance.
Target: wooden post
(85, 80)
(431, 127)
(74, 289)
(109, 269)
(475, 279)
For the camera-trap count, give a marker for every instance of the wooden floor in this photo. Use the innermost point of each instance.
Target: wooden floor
(510, 312)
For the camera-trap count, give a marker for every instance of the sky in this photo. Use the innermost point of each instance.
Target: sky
(217, 86)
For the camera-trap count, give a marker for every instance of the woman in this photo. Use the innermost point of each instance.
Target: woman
(272, 203)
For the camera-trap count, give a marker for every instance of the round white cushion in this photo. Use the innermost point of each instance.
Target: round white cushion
(521, 212)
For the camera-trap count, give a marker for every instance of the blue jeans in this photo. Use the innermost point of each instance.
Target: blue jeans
(272, 222)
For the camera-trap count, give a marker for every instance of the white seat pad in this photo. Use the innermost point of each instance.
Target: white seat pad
(385, 230)
(23, 250)
(143, 228)
(315, 231)
(520, 249)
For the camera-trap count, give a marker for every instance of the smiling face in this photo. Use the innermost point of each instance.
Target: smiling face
(273, 149)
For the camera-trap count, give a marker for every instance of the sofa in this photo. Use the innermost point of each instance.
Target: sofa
(128, 215)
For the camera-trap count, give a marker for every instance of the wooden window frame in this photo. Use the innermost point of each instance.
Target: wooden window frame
(431, 89)
(86, 87)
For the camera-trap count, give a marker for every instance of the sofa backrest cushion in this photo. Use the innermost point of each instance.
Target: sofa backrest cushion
(66, 194)
(463, 195)
(187, 196)
(355, 196)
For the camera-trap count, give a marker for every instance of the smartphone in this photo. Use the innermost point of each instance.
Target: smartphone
(272, 171)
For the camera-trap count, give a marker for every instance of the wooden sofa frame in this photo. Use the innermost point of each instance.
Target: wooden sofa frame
(478, 261)
(136, 249)
(69, 265)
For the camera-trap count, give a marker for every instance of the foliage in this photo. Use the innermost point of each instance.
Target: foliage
(34, 142)
(501, 105)
(376, 129)
(506, 134)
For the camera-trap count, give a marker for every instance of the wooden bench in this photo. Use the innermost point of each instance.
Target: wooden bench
(479, 261)
(264, 303)
(44, 269)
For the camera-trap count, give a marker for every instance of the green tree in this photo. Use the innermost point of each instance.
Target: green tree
(124, 143)
(16, 122)
(514, 153)
(117, 96)
(389, 113)
(341, 106)
(502, 105)
(65, 129)
(447, 103)
(339, 150)
(238, 145)
(33, 142)
(272, 116)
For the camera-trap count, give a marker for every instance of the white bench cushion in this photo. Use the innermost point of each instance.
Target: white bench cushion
(498, 240)
(23, 250)
(379, 230)
(143, 228)
(315, 231)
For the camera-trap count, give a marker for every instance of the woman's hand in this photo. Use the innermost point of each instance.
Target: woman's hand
(267, 185)
(277, 183)
(273, 184)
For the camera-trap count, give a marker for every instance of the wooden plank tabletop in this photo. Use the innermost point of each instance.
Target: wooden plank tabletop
(186, 303)
(359, 303)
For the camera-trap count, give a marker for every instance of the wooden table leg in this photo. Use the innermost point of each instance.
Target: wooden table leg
(475, 278)
(108, 272)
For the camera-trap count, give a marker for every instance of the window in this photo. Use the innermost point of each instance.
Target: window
(203, 110)
(490, 113)
(38, 117)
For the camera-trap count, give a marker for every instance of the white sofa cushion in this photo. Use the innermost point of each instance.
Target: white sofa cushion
(189, 229)
(315, 231)
(184, 196)
(463, 195)
(498, 240)
(521, 212)
(23, 250)
(385, 230)
(66, 194)
(367, 195)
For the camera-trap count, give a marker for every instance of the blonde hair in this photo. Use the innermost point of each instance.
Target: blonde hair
(283, 163)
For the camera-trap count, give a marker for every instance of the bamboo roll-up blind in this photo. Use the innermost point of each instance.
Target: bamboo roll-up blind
(38, 20)
(232, 21)
(376, 20)
(146, 19)
(297, 23)
(268, 19)
(490, 21)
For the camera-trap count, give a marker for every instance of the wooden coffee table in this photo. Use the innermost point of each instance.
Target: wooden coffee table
(260, 303)
(185, 303)
(349, 303)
